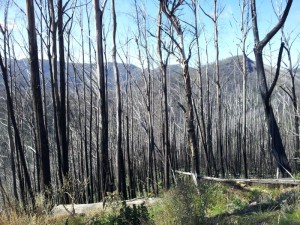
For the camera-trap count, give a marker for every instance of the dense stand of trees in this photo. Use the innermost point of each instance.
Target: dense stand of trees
(78, 120)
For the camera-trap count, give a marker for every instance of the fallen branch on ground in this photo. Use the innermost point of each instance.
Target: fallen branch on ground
(260, 181)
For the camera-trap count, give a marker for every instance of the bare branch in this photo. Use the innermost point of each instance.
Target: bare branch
(281, 22)
(277, 71)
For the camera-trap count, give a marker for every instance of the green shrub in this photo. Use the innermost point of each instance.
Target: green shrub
(181, 205)
(135, 215)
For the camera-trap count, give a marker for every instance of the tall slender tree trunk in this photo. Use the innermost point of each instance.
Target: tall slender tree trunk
(163, 71)
(121, 175)
(42, 140)
(62, 76)
(244, 31)
(105, 169)
(54, 86)
(244, 126)
(189, 111)
(218, 92)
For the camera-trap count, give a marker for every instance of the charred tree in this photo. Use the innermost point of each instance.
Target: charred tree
(277, 147)
(42, 137)
(121, 175)
(169, 11)
(105, 167)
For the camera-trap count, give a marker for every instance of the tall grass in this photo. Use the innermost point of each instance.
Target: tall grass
(180, 205)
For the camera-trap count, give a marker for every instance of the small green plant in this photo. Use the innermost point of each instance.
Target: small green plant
(239, 203)
(135, 215)
(181, 205)
(297, 176)
(127, 215)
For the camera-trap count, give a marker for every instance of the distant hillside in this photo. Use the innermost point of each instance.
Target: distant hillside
(230, 75)
(75, 72)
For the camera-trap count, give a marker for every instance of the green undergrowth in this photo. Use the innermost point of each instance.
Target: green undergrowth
(213, 203)
(228, 203)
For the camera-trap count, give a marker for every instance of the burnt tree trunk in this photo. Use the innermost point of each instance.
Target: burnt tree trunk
(42, 140)
(62, 113)
(273, 129)
(121, 173)
(105, 169)
(19, 147)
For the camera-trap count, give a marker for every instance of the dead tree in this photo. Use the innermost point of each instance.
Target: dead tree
(18, 141)
(215, 20)
(42, 137)
(62, 76)
(6, 48)
(163, 71)
(121, 175)
(105, 167)
(265, 91)
(170, 10)
(291, 92)
(245, 28)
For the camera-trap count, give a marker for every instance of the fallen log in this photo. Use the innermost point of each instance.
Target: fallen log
(260, 181)
(288, 181)
(82, 209)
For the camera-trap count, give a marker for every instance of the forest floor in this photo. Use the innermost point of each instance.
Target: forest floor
(218, 203)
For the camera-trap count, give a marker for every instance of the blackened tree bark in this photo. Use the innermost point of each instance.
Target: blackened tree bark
(277, 145)
(42, 140)
(52, 55)
(105, 169)
(62, 76)
(18, 141)
(6, 49)
(121, 175)
(291, 92)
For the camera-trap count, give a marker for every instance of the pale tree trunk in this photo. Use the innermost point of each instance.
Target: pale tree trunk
(218, 90)
(184, 61)
(129, 145)
(244, 128)
(91, 102)
(163, 71)
(220, 154)
(244, 30)
(210, 154)
(141, 42)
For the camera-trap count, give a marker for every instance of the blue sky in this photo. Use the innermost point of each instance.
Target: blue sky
(229, 30)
